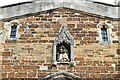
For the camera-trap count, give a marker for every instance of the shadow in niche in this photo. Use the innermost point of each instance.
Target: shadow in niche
(63, 48)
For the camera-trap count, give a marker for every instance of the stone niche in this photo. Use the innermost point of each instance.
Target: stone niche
(63, 47)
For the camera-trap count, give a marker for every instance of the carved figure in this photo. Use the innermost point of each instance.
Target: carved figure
(63, 54)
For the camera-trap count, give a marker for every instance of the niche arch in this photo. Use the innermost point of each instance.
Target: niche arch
(63, 47)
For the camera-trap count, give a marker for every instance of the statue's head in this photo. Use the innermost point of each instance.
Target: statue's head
(62, 49)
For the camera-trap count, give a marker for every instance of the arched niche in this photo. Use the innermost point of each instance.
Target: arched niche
(63, 47)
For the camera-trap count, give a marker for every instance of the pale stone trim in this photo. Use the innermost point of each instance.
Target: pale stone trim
(67, 74)
(64, 31)
(109, 31)
(8, 26)
(43, 5)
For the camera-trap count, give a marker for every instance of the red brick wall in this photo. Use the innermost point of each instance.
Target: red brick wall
(22, 58)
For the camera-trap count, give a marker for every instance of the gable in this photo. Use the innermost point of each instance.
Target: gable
(61, 15)
(41, 5)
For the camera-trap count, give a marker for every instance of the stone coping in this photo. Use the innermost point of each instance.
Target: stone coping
(30, 7)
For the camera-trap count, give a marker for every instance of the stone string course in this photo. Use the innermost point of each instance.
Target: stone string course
(22, 58)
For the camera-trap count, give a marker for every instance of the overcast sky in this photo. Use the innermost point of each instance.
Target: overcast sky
(7, 2)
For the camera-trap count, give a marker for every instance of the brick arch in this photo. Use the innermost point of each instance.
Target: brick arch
(62, 76)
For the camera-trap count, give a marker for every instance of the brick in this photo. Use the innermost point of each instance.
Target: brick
(77, 68)
(49, 19)
(25, 67)
(91, 41)
(69, 13)
(11, 75)
(43, 19)
(21, 29)
(27, 35)
(37, 18)
(97, 75)
(4, 75)
(21, 75)
(30, 19)
(48, 16)
(79, 59)
(32, 74)
(56, 26)
(80, 25)
(118, 51)
(10, 41)
(71, 25)
(69, 19)
(111, 69)
(76, 19)
(72, 15)
(40, 15)
(83, 69)
(7, 67)
(118, 33)
(52, 35)
(84, 18)
(62, 68)
(92, 25)
(56, 15)
(86, 38)
(6, 53)
(34, 67)
(17, 67)
(92, 75)
(42, 75)
(43, 41)
(92, 34)
(65, 16)
(114, 29)
(80, 35)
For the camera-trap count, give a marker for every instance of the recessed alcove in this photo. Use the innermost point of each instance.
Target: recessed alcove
(63, 52)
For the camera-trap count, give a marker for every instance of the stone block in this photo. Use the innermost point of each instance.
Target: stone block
(21, 75)
(76, 19)
(4, 75)
(69, 19)
(32, 74)
(6, 53)
(11, 75)
(80, 25)
(71, 25)
(118, 51)
(43, 68)
(118, 33)
(65, 16)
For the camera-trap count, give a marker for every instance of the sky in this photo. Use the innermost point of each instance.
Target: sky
(7, 2)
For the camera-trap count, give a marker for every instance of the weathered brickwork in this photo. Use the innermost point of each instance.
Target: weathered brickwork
(22, 58)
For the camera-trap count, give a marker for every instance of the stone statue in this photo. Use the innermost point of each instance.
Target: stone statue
(63, 54)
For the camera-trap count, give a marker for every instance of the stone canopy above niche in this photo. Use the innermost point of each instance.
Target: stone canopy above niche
(63, 45)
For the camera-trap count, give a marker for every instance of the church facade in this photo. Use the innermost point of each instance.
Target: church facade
(60, 40)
